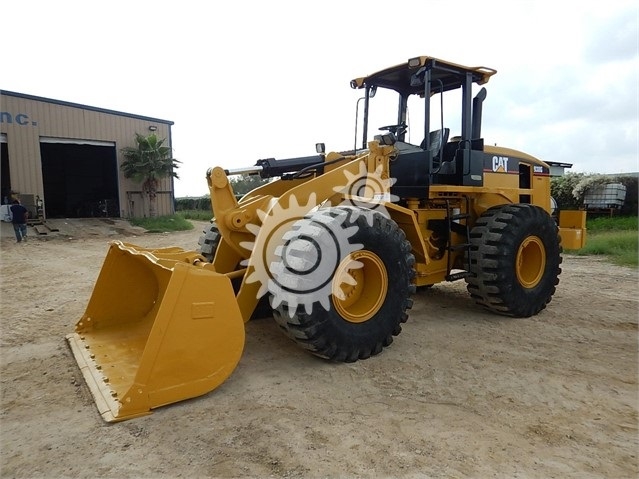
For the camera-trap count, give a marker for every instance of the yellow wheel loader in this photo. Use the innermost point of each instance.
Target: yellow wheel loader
(335, 244)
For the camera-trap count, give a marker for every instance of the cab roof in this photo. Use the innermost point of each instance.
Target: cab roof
(402, 79)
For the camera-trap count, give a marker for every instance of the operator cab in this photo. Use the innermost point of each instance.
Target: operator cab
(435, 157)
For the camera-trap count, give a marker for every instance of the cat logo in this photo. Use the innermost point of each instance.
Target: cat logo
(500, 164)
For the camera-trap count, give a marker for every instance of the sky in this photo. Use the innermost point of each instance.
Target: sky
(246, 80)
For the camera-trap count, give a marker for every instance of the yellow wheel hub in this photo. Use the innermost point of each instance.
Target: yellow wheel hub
(359, 291)
(530, 262)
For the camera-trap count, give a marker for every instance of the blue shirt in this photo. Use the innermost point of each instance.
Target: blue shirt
(18, 214)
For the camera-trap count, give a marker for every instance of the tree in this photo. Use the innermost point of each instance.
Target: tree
(148, 163)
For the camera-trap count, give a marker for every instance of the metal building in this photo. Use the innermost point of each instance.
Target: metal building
(66, 157)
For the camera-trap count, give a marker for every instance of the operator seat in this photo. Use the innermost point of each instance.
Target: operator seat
(437, 140)
(411, 169)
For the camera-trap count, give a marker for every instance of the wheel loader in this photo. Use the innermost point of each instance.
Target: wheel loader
(334, 245)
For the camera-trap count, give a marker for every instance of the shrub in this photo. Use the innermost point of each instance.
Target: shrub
(562, 188)
(186, 204)
(569, 190)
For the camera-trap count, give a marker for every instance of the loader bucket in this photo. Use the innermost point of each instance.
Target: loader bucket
(157, 330)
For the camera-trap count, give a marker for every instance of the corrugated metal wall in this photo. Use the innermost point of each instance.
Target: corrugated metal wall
(26, 120)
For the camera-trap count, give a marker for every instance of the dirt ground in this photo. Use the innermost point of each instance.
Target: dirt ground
(460, 393)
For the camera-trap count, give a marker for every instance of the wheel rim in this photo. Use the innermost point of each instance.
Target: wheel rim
(359, 302)
(530, 262)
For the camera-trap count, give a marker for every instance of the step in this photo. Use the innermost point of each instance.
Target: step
(459, 275)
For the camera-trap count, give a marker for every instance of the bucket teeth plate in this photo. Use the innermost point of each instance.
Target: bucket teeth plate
(157, 330)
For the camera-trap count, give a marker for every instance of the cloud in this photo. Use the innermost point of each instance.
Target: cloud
(615, 38)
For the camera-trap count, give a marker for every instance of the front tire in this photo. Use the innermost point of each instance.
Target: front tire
(362, 318)
(514, 259)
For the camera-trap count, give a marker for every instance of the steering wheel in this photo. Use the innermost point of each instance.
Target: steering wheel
(395, 129)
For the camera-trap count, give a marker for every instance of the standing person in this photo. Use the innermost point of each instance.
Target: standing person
(19, 215)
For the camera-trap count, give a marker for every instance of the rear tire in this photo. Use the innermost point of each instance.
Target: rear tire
(515, 255)
(370, 313)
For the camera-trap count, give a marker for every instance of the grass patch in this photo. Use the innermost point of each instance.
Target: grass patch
(161, 224)
(620, 223)
(616, 238)
(198, 215)
(620, 246)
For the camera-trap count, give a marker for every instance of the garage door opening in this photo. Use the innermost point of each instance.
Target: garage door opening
(80, 181)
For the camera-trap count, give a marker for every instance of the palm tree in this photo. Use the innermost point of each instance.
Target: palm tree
(148, 163)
